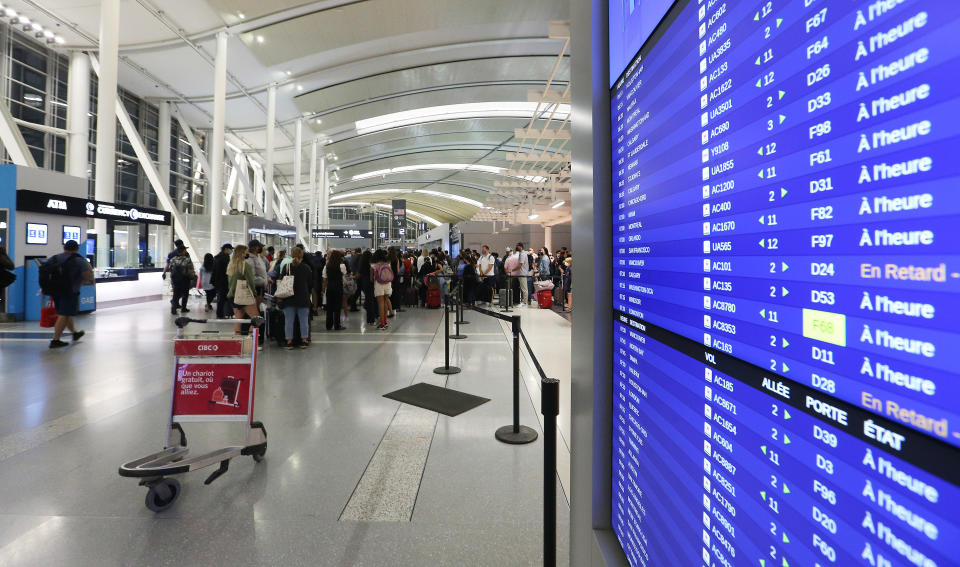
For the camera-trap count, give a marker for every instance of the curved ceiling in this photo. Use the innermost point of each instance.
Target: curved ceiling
(350, 64)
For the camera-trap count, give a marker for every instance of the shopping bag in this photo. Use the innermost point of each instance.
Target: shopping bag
(285, 287)
(48, 315)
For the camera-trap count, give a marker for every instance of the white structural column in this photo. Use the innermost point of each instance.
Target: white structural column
(268, 166)
(105, 184)
(313, 191)
(78, 123)
(163, 147)
(323, 217)
(297, 154)
(548, 238)
(215, 175)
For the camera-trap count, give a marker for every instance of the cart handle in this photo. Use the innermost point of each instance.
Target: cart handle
(182, 322)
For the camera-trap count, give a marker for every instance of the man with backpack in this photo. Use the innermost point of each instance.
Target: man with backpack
(182, 278)
(61, 277)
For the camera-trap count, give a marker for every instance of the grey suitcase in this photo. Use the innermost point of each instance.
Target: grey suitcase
(503, 297)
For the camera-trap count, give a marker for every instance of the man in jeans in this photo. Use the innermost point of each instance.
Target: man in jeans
(486, 265)
(75, 271)
(522, 272)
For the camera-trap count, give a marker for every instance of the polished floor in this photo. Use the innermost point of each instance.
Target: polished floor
(350, 478)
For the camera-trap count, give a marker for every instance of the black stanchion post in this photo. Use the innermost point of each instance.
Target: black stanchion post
(458, 320)
(516, 434)
(446, 368)
(550, 408)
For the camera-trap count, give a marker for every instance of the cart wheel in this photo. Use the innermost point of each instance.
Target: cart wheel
(258, 456)
(163, 494)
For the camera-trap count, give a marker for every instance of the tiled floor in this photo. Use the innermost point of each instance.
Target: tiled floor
(69, 418)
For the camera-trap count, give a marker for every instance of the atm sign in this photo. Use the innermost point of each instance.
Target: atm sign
(207, 348)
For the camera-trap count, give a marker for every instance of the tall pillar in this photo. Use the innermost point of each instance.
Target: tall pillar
(268, 167)
(163, 149)
(297, 153)
(323, 216)
(313, 189)
(548, 238)
(78, 123)
(215, 186)
(105, 184)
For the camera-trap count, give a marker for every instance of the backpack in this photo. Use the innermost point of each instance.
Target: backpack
(384, 274)
(53, 277)
(178, 269)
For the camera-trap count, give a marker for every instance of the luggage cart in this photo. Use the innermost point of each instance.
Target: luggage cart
(214, 381)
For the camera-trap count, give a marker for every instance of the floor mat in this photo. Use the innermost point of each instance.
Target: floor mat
(435, 398)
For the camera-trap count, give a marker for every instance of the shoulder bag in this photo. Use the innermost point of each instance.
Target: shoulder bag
(243, 295)
(285, 287)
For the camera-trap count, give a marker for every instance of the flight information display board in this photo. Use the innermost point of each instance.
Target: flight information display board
(786, 286)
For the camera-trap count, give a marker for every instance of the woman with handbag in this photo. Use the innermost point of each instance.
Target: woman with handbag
(241, 287)
(294, 290)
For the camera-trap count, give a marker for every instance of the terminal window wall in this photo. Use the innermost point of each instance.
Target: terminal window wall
(36, 93)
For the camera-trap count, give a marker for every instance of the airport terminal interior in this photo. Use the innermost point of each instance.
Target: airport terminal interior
(291, 283)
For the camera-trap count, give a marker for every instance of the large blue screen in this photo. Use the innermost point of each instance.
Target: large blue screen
(786, 244)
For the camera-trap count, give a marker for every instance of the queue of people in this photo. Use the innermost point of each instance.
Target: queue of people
(243, 280)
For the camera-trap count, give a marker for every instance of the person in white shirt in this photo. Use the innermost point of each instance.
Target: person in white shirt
(486, 269)
(522, 272)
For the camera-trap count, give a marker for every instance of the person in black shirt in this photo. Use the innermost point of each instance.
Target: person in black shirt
(298, 305)
(77, 270)
(221, 282)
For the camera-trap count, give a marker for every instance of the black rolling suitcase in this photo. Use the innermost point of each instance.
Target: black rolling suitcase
(515, 286)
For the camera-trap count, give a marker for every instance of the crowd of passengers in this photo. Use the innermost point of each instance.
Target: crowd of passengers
(242, 281)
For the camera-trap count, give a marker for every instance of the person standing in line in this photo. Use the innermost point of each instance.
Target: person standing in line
(74, 271)
(486, 268)
(568, 282)
(220, 280)
(240, 274)
(298, 305)
(543, 264)
(206, 280)
(522, 273)
(182, 278)
(256, 262)
(333, 275)
(382, 275)
(352, 262)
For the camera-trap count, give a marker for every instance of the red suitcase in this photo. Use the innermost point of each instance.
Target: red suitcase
(545, 299)
(433, 298)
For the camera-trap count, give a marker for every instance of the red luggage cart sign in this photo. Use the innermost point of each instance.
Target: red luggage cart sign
(212, 392)
(188, 347)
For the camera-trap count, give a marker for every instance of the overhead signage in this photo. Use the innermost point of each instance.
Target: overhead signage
(422, 227)
(341, 233)
(399, 213)
(37, 202)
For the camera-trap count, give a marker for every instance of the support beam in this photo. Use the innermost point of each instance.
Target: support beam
(13, 140)
(548, 238)
(243, 175)
(313, 191)
(143, 156)
(323, 218)
(163, 145)
(215, 175)
(268, 166)
(78, 123)
(198, 154)
(105, 181)
(545, 134)
(297, 154)
(543, 157)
